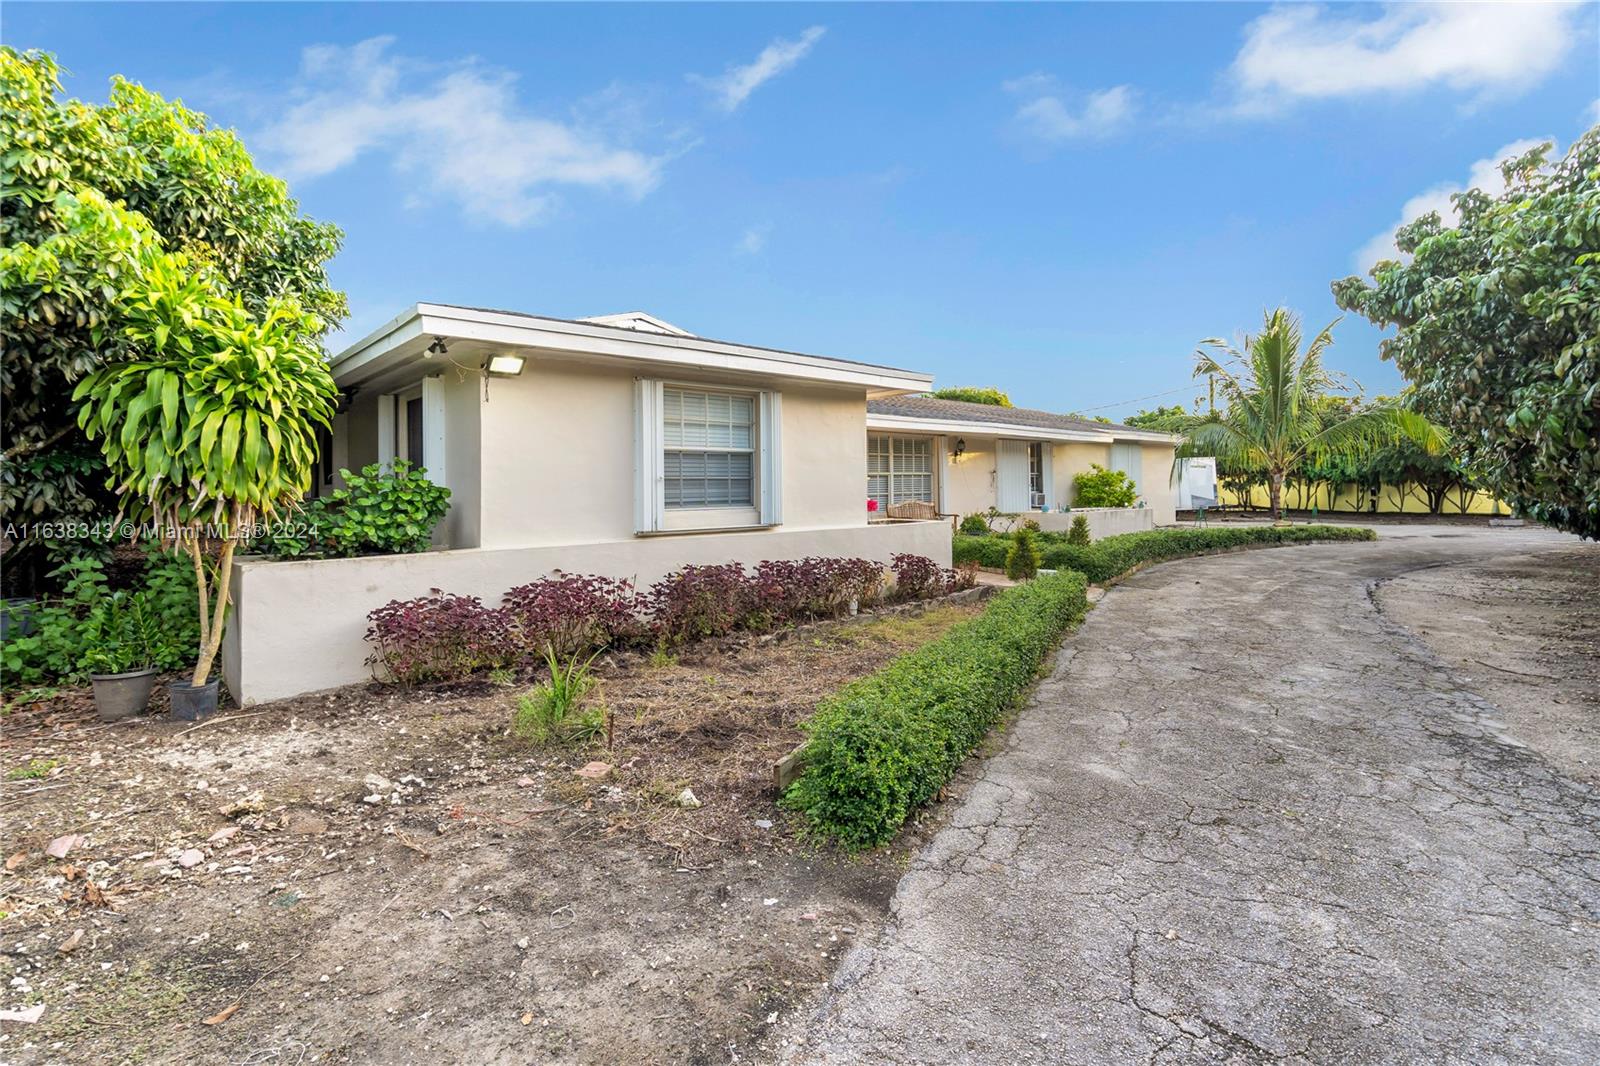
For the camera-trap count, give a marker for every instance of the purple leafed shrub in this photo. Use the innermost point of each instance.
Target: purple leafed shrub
(701, 601)
(793, 589)
(917, 577)
(441, 638)
(574, 614)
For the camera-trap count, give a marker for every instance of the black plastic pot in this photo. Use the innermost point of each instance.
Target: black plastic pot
(192, 703)
(119, 696)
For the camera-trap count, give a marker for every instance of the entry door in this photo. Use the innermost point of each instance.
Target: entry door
(1012, 476)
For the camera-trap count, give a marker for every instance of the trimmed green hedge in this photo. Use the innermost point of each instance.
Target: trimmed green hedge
(1112, 556)
(884, 745)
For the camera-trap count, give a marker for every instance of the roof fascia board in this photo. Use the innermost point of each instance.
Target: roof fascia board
(366, 357)
(987, 429)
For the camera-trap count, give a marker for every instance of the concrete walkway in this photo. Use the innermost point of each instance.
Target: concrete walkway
(1249, 818)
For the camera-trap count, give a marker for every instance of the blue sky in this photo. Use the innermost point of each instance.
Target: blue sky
(1058, 200)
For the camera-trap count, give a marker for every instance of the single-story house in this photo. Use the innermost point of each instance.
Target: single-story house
(965, 458)
(621, 446)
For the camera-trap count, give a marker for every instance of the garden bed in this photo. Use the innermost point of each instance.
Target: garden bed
(400, 880)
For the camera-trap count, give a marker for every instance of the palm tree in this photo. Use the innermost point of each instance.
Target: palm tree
(1278, 409)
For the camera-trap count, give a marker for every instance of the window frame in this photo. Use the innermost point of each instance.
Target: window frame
(652, 515)
(894, 473)
(752, 449)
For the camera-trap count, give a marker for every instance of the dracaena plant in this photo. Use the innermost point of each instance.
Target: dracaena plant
(210, 427)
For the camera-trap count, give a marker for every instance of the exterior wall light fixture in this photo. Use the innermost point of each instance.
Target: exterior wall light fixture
(504, 366)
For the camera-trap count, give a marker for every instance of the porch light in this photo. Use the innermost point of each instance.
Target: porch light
(505, 366)
(961, 446)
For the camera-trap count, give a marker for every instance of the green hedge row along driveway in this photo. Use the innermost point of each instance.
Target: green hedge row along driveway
(1114, 556)
(883, 746)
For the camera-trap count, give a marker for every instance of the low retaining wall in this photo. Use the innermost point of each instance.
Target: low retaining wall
(1103, 521)
(300, 626)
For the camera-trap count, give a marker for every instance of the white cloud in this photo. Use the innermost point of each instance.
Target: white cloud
(734, 86)
(1485, 174)
(1048, 117)
(1309, 52)
(458, 131)
(754, 239)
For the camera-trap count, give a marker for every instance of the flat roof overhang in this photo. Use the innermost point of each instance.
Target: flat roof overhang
(397, 351)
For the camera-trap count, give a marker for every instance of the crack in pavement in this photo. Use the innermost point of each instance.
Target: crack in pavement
(1247, 818)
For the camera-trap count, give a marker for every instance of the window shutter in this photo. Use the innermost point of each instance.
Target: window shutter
(771, 427)
(647, 475)
(941, 459)
(1012, 468)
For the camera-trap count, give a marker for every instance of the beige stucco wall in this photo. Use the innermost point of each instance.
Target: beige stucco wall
(1160, 493)
(970, 480)
(1103, 521)
(463, 466)
(547, 457)
(361, 431)
(1072, 459)
(557, 457)
(300, 626)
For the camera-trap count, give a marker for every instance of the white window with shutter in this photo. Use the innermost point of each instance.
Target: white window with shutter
(706, 458)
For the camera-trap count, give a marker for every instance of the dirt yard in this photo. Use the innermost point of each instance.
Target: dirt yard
(377, 875)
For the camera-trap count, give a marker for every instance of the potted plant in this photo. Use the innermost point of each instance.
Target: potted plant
(209, 429)
(123, 634)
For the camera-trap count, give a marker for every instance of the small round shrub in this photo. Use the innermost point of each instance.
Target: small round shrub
(1023, 557)
(1099, 487)
(1079, 533)
(975, 525)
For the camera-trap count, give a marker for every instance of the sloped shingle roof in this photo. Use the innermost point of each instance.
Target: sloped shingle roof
(961, 411)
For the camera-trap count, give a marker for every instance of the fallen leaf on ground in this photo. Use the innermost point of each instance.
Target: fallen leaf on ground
(16, 860)
(222, 1015)
(94, 895)
(527, 1019)
(71, 943)
(58, 848)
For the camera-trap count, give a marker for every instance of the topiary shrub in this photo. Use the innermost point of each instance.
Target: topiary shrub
(1023, 558)
(974, 525)
(1099, 487)
(883, 746)
(1079, 533)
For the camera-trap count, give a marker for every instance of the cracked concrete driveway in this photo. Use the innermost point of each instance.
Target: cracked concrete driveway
(1249, 817)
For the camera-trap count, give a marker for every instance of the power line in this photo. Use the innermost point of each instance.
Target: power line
(1137, 399)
